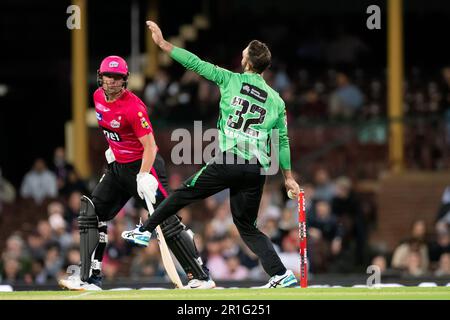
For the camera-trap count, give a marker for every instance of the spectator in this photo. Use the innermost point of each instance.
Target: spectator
(72, 257)
(73, 208)
(39, 183)
(45, 232)
(61, 167)
(380, 262)
(312, 106)
(15, 249)
(325, 236)
(235, 270)
(156, 92)
(324, 187)
(444, 266)
(416, 264)
(443, 215)
(74, 183)
(35, 246)
(55, 207)
(10, 271)
(419, 231)
(53, 261)
(405, 257)
(38, 274)
(147, 263)
(289, 254)
(215, 261)
(346, 100)
(222, 220)
(7, 191)
(347, 207)
(441, 245)
(58, 226)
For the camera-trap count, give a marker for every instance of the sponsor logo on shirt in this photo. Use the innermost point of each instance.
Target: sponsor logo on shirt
(102, 107)
(115, 124)
(99, 116)
(144, 123)
(254, 92)
(111, 135)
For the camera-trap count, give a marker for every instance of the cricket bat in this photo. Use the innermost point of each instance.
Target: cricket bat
(168, 263)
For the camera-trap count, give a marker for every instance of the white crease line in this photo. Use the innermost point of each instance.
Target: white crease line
(79, 295)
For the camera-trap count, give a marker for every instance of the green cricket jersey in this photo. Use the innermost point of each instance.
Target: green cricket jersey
(249, 110)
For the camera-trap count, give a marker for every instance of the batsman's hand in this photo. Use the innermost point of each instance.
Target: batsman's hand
(147, 186)
(292, 188)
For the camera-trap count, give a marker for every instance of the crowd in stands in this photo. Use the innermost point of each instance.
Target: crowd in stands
(424, 252)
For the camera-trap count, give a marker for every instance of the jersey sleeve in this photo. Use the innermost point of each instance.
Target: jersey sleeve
(283, 146)
(190, 61)
(139, 120)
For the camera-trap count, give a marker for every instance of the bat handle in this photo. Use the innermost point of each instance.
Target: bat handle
(149, 206)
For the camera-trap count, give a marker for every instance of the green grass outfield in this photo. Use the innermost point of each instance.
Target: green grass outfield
(402, 293)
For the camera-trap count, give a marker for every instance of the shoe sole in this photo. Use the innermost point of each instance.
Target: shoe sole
(141, 243)
(63, 286)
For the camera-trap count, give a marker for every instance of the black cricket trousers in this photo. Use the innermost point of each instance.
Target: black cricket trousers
(119, 184)
(245, 181)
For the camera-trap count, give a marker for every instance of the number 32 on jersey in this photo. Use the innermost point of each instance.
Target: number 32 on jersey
(240, 123)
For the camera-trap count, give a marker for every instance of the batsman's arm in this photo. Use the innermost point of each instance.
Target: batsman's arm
(189, 60)
(149, 154)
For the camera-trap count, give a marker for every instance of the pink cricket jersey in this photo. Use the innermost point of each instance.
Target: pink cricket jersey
(123, 122)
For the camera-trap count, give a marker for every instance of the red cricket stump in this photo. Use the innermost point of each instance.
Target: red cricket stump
(302, 239)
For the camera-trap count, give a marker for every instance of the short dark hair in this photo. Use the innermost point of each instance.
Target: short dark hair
(259, 56)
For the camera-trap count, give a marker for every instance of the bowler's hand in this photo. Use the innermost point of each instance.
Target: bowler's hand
(156, 32)
(292, 188)
(158, 37)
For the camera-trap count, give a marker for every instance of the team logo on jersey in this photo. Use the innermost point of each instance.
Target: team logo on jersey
(144, 123)
(115, 124)
(113, 64)
(99, 116)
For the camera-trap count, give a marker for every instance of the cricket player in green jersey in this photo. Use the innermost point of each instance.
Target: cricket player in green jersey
(249, 112)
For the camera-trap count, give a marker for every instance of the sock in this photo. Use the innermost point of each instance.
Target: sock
(100, 250)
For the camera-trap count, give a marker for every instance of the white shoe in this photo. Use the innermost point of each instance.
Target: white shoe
(286, 280)
(137, 237)
(77, 285)
(200, 284)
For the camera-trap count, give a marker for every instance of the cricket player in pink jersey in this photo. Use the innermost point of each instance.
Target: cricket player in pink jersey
(134, 169)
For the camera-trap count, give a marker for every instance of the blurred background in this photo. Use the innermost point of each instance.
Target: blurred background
(368, 116)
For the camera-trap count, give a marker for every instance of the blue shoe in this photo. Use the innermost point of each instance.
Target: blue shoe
(95, 279)
(284, 281)
(137, 237)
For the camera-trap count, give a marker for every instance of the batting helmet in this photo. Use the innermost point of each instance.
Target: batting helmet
(113, 65)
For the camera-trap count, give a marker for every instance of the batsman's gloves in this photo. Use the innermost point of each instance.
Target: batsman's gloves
(147, 185)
